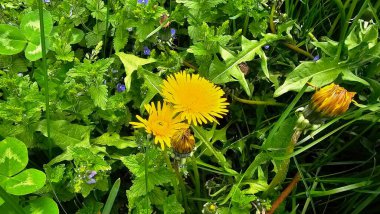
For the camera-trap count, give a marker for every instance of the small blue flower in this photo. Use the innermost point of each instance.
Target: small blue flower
(91, 181)
(146, 51)
(266, 47)
(316, 58)
(92, 174)
(143, 1)
(172, 32)
(47, 1)
(120, 87)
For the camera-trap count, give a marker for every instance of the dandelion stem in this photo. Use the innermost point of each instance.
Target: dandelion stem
(196, 178)
(182, 185)
(169, 164)
(284, 166)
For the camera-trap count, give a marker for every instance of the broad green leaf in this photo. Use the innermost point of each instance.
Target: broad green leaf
(33, 51)
(12, 41)
(349, 76)
(43, 205)
(13, 156)
(329, 47)
(26, 182)
(322, 72)
(131, 63)
(152, 82)
(30, 24)
(65, 134)
(113, 139)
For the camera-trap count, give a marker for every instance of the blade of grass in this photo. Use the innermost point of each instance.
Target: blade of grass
(111, 197)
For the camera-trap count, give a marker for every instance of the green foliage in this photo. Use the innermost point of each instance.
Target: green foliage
(107, 59)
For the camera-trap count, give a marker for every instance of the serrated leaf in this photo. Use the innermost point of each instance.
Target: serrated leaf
(65, 133)
(12, 41)
(120, 39)
(43, 205)
(30, 24)
(171, 206)
(131, 63)
(99, 94)
(26, 182)
(322, 72)
(13, 156)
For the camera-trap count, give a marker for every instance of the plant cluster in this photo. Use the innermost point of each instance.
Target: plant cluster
(189, 106)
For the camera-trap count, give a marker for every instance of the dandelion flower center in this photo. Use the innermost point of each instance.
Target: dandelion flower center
(196, 99)
(162, 123)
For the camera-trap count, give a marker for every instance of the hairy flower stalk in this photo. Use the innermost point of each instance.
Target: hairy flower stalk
(327, 102)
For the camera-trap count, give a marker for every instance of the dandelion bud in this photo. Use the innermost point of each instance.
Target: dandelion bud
(183, 142)
(329, 101)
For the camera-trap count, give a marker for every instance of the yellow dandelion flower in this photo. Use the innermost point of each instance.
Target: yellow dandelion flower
(162, 123)
(195, 98)
(183, 142)
(331, 100)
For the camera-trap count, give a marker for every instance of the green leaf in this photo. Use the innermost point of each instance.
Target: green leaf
(111, 197)
(13, 156)
(349, 76)
(65, 134)
(43, 205)
(131, 63)
(113, 139)
(322, 72)
(248, 53)
(30, 24)
(152, 83)
(99, 95)
(26, 182)
(171, 206)
(12, 41)
(33, 51)
(76, 36)
(120, 39)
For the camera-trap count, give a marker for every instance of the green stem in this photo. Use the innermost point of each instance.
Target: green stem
(284, 166)
(46, 76)
(196, 178)
(106, 34)
(258, 102)
(245, 26)
(169, 164)
(146, 162)
(10, 201)
(182, 185)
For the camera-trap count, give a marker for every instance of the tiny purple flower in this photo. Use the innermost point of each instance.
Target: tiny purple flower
(316, 58)
(92, 174)
(91, 181)
(47, 1)
(172, 32)
(146, 51)
(120, 87)
(266, 47)
(143, 1)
